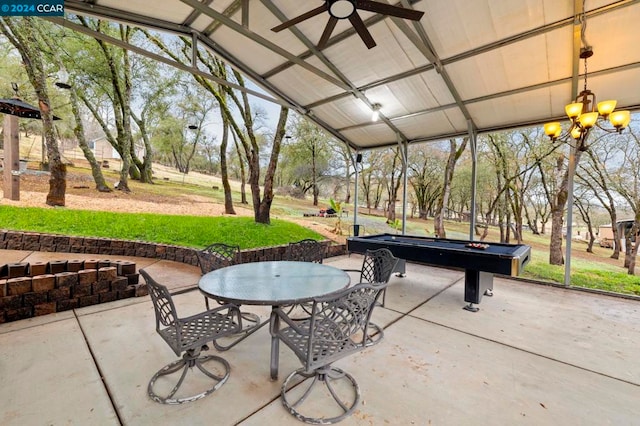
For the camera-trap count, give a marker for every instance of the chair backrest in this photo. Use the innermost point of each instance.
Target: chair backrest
(306, 251)
(338, 324)
(162, 302)
(377, 266)
(218, 255)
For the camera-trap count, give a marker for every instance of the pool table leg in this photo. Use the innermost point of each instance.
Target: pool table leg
(471, 308)
(400, 268)
(476, 284)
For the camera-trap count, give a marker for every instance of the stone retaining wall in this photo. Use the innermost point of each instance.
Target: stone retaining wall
(15, 240)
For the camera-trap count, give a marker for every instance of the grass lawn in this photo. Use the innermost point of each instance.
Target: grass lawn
(188, 231)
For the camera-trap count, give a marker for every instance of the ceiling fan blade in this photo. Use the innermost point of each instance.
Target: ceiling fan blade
(331, 24)
(362, 30)
(387, 9)
(310, 14)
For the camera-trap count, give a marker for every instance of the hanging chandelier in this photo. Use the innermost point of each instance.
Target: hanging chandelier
(585, 112)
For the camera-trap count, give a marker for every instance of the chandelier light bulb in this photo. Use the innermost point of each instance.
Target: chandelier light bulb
(553, 129)
(606, 107)
(588, 120)
(576, 132)
(620, 119)
(574, 110)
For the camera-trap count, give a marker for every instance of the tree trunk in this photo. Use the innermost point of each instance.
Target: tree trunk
(555, 247)
(347, 179)
(228, 201)
(557, 212)
(616, 236)
(21, 33)
(443, 201)
(78, 130)
(243, 174)
(264, 209)
(313, 175)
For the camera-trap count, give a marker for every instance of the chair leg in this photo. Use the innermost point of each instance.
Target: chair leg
(375, 333)
(190, 359)
(240, 336)
(340, 391)
(250, 317)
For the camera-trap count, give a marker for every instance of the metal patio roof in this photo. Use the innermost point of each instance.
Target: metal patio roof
(467, 65)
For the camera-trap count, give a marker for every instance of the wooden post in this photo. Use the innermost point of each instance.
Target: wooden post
(11, 158)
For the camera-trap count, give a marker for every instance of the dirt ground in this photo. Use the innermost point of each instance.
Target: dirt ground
(81, 195)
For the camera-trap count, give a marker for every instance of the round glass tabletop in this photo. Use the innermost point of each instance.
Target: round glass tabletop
(273, 283)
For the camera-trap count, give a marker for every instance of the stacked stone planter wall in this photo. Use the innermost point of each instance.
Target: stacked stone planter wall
(34, 289)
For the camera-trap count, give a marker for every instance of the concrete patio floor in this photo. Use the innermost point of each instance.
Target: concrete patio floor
(533, 354)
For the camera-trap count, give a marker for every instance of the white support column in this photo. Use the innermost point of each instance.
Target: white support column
(473, 138)
(567, 256)
(356, 165)
(11, 160)
(404, 150)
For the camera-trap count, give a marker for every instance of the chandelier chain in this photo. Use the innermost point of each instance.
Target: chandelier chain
(585, 74)
(583, 37)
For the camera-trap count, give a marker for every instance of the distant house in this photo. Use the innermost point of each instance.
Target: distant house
(605, 233)
(102, 149)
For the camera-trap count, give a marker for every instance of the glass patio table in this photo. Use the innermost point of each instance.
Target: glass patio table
(273, 283)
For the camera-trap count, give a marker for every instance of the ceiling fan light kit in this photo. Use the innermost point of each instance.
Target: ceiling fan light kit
(347, 9)
(341, 9)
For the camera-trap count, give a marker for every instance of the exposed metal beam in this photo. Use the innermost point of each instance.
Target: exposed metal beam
(257, 79)
(111, 40)
(115, 15)
(423, 43)
(506, 93)
(194, 15)
(231, 24)
(474, 52)
(229, 11)
(245, 13)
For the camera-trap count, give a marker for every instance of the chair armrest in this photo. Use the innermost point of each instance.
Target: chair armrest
(293, 324)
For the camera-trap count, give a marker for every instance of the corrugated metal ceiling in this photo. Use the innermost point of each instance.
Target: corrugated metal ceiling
(467, 64)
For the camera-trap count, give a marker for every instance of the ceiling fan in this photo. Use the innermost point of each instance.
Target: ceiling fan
(346, 9)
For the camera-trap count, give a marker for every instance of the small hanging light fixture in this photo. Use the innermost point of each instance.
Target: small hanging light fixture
(585, 113)
(375, 112)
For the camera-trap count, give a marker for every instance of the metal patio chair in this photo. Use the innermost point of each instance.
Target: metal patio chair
(306, 251)
(377, 267)
(189, 336)
(337, 328)
(218, 255)
(221, 255)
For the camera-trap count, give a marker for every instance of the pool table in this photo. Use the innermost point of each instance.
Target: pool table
(479, 262)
